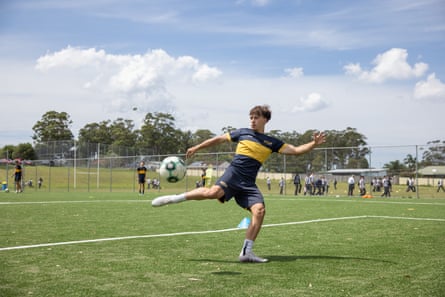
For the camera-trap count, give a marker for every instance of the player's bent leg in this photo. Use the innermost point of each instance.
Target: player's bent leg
(258, 212)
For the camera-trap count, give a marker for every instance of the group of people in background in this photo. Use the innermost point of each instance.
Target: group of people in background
(313, 185)
(320, 185)
(310, 186)
(376, 183)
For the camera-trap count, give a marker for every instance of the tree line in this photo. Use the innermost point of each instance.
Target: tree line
(158, 135)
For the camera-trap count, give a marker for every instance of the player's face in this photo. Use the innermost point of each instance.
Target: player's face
(257, 123)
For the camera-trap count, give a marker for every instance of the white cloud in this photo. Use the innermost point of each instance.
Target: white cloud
(260, 2)
(129, 80)
(254, 2)
(313, 102)
(392, 64)
(431, 88)
(71, 57)
(205, 72)
(295, 72)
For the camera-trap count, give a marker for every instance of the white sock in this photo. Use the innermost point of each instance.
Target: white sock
(247, 247)
(178, 198)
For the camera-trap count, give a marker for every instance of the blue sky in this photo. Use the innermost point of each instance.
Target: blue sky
(377, 66)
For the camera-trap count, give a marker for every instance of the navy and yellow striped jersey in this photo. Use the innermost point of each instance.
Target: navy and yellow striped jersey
(18, 170)
(142, 170)
(252, 150)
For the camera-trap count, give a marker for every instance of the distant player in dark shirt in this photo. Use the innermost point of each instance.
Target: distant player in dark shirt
(18, 175)
(142, 172)
(239, 179)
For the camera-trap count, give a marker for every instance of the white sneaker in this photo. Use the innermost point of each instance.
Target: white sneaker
(164, 200)
(250, 257)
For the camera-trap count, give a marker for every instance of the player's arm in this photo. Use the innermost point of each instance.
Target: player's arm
(207, 143)
(318, 138)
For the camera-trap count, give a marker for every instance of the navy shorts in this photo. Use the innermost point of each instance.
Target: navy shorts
(141, 179)
(246, 193)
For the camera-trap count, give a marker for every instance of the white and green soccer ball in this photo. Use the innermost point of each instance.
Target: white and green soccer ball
(173, 169)
(6, 190)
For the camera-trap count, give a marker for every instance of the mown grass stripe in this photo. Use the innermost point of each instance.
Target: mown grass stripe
(208, 231)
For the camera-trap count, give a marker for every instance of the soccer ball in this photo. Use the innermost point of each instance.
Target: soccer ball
(172, 169)
(6, 190)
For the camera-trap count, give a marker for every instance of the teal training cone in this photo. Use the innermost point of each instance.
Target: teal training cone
(244, 224)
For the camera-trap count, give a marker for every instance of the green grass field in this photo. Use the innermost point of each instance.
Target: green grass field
(116, 244)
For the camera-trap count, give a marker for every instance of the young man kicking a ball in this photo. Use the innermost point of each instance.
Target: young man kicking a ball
(239, 179)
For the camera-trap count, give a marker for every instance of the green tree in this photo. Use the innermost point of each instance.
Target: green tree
(434, 154)
(7, 151)
(158, 135)
(118, 135)
(203, 155)
(349, 151)
(201, 135)
(25, 151)
(95, 133)
(53, 126)
(185, 140)
(122, 132)
(410, 162)
(395, 167)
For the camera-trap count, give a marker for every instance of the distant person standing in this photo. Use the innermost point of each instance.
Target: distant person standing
(142, 172)
(307, 185)
(18, 175)
(362, 185)
(203, 177)
(351, 185)
(440, 185)
(325, 185)
(268, 182)
(297, 183)
(410, 185)
(281, 184)
(386, 187)
(40, 182)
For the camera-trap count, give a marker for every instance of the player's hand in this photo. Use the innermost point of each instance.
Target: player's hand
(319, 138)
(190, 152)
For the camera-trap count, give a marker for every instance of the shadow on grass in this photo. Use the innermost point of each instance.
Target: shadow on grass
(295, 258)
(225, 273)
(315, 257)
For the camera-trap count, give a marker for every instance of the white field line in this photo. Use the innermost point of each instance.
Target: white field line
(416, 202)
(71, 201)
(206, 232)
(406, 218)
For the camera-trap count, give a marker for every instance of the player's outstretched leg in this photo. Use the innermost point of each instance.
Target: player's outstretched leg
(168, 199)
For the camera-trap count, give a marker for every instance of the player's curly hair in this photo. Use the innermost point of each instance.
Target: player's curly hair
(262, 110)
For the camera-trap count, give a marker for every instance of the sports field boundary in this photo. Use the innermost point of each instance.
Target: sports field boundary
(210, 231)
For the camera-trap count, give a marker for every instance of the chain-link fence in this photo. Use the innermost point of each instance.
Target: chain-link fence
(67, 166)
